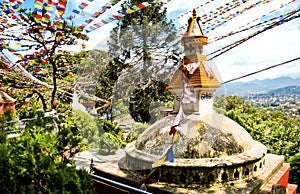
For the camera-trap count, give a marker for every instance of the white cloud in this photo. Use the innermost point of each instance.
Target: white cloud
(269, 48)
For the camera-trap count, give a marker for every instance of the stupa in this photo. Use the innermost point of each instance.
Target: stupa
(214, 148)
(214, 154)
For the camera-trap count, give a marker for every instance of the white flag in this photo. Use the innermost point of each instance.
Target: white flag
(191, 67)
(180, 116)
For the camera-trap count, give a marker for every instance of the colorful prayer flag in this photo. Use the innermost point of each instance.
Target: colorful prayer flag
(27, 99)
(170, 154)
(159, 162)
(76, 11)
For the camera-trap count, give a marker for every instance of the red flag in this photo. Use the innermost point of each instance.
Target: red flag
(44, 62)
(116, 16)
(144, 180)
(37, 69)
(173, 130)
(141, 6)
(84, 4)
(38, 16)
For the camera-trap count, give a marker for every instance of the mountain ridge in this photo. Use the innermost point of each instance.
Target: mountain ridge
(257, 86)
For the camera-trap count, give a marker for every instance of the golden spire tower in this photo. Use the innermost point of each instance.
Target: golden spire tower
(202, 81)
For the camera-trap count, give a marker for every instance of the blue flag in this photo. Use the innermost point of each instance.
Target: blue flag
(170, 154)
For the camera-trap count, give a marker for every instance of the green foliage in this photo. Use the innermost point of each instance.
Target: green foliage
(5, 119)
(39, 161)
(31, 164)
(274, 129)
(88, 128)
(135, 131)
(108, 144)
(145, 51)
(114, 129)
(99, 133)
(223, 104)
(143, 96)
(295, 168)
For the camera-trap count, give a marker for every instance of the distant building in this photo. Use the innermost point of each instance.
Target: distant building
(6, 102)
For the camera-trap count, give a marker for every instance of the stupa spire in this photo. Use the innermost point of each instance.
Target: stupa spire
(200, 81)
(194, 30)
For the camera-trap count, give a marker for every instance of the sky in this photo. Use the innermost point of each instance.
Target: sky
(269, 48)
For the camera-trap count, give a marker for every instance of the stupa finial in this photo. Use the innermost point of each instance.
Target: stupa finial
(194, 12)
(194, 30)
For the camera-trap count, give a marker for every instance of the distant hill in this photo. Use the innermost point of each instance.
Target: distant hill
(286, 90)
(257, 86)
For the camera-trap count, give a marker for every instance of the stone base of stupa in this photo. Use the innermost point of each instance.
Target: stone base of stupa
(276, 172)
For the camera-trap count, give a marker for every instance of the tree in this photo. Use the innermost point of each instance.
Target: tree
(273, 128)
(146, 49)
(5, 119)
(46, 62)
(39, 161)
(140, 101)
(98, 77)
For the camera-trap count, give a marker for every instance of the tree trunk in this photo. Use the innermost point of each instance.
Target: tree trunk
(42, 99)
(54, 68)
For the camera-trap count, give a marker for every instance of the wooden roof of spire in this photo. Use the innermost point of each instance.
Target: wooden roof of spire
(203, 77)
(199, 79)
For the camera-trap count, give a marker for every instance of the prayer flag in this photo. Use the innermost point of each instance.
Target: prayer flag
(27, 99)
(159, 162)
(147, 178)
(116, 17)
(141, 6)
(84, 4)
(144, 180)
(208, 70)
(170, 154)
(191, 67)
(129, 11)
(188, 96)
(179, 117)
(38, 5)
(135, 8)
(173, 130)
(176, 137)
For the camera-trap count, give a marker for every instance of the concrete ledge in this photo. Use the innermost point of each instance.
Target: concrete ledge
(274, 164)
(280, 178)
(292, 189)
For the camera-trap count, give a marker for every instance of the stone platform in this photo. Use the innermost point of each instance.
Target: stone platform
(274, 165)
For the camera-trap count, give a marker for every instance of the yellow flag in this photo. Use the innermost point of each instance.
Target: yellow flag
(159, 162)
(129, 11)
(44, 71)
(18, 44)
(176, 137)
(39, 6)
(50, 8)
